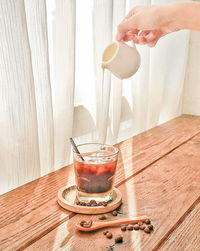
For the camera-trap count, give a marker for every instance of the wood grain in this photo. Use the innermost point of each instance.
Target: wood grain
(187, 235)
(165, 192)
(31, 211)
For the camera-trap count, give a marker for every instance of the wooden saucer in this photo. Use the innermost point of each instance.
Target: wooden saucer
(66, 198)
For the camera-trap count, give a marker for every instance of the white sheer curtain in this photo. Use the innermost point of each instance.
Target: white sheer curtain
(51, 89)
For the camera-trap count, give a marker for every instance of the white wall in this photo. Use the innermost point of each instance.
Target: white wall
(191, 96)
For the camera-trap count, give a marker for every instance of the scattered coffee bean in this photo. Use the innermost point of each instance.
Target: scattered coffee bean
(83, 203)
(102, 217)
(93, 202)
(130, 227)
(105, 204)
(105, 232)
(142, 227)
(114, 213)
(150, 227)
(123, 228)
(93, 205)
(147, 221)
(110, 248)
(147, 230)
(109, 235)
(136, 227)
(119, 239)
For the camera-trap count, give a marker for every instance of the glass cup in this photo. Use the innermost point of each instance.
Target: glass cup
(95, 168)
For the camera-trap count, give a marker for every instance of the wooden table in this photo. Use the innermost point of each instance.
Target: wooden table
(158, 175)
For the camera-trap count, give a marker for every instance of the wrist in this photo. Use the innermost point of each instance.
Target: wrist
(174, 16)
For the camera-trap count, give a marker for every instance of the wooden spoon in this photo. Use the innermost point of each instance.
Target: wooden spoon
(98, 224)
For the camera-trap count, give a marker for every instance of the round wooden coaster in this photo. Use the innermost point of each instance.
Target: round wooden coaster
(66, 197)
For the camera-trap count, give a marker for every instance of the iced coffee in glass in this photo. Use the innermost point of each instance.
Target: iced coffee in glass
(95, 168)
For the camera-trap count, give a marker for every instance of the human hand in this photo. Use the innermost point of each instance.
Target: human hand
(147, 24)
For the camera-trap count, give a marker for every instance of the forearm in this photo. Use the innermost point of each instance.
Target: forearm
(158, 21)
(186, 15)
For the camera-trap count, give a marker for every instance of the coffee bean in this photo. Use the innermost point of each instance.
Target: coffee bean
(147, 230)
(130, 227)
(93, 202)
(150, 227)
(119, 239)
(83, 203)
(109, 235)
(102, 217)
(110, 248)
(78, 202)
(82, 222)
(105, 232)
(105, 204)
(136, 227)
(114, 213)
(123, 228)
(147, 221)
(88, 204)
(93, 205)
(100, 204)
(142, 227)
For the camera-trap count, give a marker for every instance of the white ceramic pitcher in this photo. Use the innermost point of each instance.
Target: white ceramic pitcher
(121, 59)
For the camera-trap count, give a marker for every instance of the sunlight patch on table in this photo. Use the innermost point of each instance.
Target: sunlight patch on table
(131, 209)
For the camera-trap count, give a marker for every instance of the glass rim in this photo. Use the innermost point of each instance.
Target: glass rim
(107, 155)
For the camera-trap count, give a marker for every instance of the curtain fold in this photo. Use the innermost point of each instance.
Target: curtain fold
(36, 18)
(19, 146)
(51, 83)
(61, 16)
(166, 78)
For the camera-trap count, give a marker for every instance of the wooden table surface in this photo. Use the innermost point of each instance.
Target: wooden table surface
(158, 174)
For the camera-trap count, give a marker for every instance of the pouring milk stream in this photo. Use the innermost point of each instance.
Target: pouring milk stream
(122, 60)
